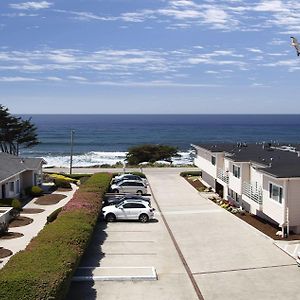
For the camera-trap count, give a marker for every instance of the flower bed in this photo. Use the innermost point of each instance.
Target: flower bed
(45, 268)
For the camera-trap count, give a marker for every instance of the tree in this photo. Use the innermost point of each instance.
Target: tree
(15, 132)
(150, 153)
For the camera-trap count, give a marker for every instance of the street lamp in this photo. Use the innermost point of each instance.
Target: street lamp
(71, 152)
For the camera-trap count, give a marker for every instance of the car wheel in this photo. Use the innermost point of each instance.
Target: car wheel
(116, 191)
(143, 218)
(139, 193)
(110, 218)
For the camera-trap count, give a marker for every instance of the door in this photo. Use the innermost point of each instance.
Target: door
(125, 212)
(3, 191)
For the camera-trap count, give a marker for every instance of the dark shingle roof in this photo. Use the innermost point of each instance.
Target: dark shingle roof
(11, 165)
(274, 161)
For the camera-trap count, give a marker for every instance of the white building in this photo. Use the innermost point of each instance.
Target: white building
(18, 173)
(262, 179)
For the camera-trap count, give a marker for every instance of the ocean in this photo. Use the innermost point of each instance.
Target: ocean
(104, 139)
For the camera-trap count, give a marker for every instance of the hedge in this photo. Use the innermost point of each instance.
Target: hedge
(44, 270)
(191, 173)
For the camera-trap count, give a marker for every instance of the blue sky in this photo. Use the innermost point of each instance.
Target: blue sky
(162, 56)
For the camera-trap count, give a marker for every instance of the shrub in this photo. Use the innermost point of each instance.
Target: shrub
(44, 270)
(34, 191)
(16, 204)
(6, 202)
(62, 183)
(191, 173)
(53, 216)
(63, 177)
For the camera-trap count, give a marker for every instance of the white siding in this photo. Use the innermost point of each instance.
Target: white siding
(293, 202)
(272, 208)
(203, 161)
(7, 183)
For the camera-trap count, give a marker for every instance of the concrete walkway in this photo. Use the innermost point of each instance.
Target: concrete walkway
(228, 258)
(31, 230)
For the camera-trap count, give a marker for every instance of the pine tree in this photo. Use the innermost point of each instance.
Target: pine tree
(15, 132)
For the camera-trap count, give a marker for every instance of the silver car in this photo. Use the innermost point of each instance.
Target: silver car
(129, 186)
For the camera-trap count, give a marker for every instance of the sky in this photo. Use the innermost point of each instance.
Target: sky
(149, 57)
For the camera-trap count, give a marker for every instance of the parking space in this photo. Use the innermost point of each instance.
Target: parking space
(126, 255)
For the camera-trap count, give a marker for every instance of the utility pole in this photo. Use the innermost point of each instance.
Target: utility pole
(71, 153)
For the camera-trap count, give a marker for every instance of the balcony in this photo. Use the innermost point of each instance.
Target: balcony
(223, 175)
(252, 192)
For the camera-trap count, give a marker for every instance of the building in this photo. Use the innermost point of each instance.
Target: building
(263, 179)
(18, 173)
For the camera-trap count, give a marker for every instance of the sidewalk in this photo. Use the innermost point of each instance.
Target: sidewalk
(31, 230)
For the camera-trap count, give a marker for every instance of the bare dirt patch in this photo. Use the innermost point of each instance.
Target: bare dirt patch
(11, 235)
(266, 227)
(32, 210)
(196, 183)
(5, 252)
(20, 221)
(50, 199)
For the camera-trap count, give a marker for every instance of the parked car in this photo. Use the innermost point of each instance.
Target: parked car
(129, 186)
(128, 177)
(118, 199)
(129, 210)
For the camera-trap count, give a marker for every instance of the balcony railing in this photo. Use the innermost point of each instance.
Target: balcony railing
(223, 175)
(252, 192)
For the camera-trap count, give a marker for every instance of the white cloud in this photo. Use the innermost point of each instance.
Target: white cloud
(53, 78)
(16, 79)
(31, 5)
(254, 50)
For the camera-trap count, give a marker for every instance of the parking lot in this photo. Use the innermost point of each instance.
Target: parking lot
(129, 250)
(197, 249)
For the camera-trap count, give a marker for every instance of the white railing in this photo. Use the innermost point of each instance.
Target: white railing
(223, 175)
(252, 192)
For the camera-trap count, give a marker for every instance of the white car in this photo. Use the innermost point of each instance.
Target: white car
(129, 176)
(129, 210)
(129, 186)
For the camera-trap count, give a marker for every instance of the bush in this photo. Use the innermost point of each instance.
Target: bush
(44, 270)
(16, 204)
(34, 191)
(53, 216)
(6, 202)
(191, 173)
(55, 177)
(62, 183)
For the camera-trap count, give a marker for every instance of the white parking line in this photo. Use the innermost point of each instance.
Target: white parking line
(190, 212)
(116, 274)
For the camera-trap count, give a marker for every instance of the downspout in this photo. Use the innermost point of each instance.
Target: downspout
(286, 220)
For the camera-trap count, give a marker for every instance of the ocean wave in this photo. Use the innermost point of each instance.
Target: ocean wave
(94, 158)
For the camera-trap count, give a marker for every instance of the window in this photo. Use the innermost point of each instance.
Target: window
(275, 192)
(236, 171)
(133, 205)
(213, 160)
(12, 186)
(128, 205)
